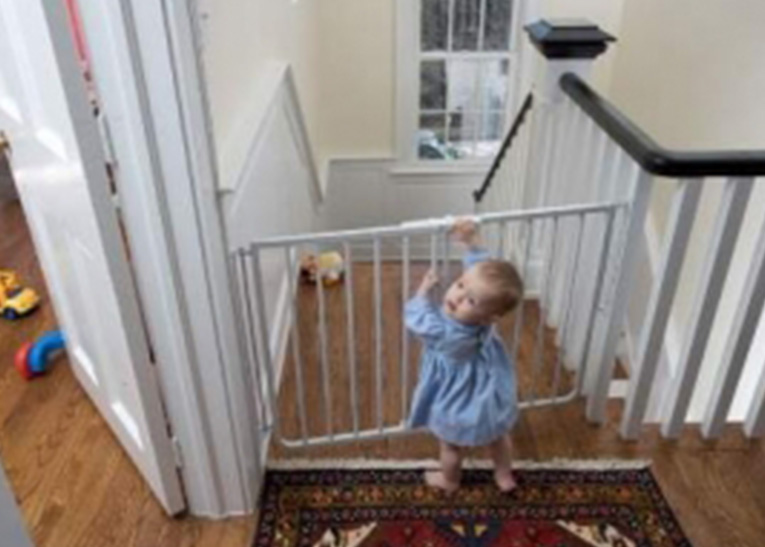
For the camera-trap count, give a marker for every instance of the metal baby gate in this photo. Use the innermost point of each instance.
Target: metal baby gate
(334, 363)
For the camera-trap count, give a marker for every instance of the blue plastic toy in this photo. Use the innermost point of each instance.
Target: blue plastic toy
(33, 361)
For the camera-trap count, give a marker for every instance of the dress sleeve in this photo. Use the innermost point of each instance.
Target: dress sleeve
(423, 319)
(475, 255)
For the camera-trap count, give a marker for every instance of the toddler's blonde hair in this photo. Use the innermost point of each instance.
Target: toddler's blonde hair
(507, 282)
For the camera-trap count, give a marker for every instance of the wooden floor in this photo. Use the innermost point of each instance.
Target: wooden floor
(73, 482)
(76, 487)
(717, 489)
(537, 357)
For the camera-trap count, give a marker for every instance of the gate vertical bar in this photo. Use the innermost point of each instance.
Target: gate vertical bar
(326, 400)
(378, 334)
(264, 337)
(351, 337)
(243, 335)
(297, 359)
(575, 271)
(251, 342)
(542, 316)
(597, 296)
(524, 271)
(404, 330)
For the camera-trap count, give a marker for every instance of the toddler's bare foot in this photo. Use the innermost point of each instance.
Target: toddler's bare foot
(436, 479)
(505, 481)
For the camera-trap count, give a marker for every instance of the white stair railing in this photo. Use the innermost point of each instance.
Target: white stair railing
(611, 139)
(583, 149)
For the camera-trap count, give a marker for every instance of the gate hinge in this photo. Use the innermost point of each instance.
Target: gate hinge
(177, 452)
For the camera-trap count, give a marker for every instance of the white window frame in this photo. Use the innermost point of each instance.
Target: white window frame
(408, 57)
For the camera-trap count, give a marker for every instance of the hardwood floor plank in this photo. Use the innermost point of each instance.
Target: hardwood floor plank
(77, 487)
(715, 488)
(73, 482)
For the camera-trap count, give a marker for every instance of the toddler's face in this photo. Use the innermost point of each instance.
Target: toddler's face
(470, 299)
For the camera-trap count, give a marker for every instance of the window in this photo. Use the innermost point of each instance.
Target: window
(463, 58)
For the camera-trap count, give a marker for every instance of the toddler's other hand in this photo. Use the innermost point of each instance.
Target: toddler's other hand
(465, 230)
(428, 282)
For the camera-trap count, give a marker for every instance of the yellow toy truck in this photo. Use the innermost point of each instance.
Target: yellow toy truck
(15, 300)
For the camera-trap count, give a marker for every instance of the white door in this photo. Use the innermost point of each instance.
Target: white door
(58, 163)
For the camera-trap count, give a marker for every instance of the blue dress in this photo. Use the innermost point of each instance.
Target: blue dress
(466, 393)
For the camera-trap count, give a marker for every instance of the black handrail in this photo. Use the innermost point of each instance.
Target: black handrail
(651, 156)
(506, 144)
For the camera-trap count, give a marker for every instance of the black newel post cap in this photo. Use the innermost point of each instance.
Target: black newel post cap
(568, 38)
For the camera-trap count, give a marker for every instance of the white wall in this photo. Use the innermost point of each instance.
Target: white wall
(356, 73)
(374, 193)
(275, 190)
(343, 56)
(241, 37)
(690, 73)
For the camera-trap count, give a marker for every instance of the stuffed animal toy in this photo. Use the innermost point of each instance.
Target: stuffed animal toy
(330, 264)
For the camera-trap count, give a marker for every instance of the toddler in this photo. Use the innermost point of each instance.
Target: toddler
(466, 393)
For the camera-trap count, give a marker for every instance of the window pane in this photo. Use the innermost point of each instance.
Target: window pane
(463, 85)
(495, 76)
(433, 85)
(434, 21)
(497, 25)
(462, 132)
(431, 138)
(492, 126)
(467, 18)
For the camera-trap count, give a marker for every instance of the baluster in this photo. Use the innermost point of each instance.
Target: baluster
(734, 202)
(737, 349)
(614, 316)
(684, 206)
(584, 293)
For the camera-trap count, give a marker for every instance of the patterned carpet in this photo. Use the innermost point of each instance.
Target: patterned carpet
(391, 508)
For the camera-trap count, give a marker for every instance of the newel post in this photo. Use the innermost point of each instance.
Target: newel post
(563, 45)
(559, 46)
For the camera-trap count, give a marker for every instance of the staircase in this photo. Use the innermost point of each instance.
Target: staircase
(583, 148)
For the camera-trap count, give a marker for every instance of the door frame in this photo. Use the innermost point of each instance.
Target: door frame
(11, 522)
(168, 195)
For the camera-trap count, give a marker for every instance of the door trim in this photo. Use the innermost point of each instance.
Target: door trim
(200, 365)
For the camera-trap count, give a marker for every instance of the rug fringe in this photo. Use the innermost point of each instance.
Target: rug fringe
(557, 463)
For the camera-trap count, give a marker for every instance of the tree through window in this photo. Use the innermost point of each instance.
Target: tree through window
(464, 73)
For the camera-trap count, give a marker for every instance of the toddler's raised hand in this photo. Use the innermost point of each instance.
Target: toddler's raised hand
(466, 231)
(429, 281)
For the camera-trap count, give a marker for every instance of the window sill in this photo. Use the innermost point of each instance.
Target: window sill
(437, 168)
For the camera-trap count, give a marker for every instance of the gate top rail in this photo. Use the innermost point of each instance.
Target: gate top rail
(429, 226)
(651, 156)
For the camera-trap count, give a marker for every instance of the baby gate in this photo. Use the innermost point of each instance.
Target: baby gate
(331, 364)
